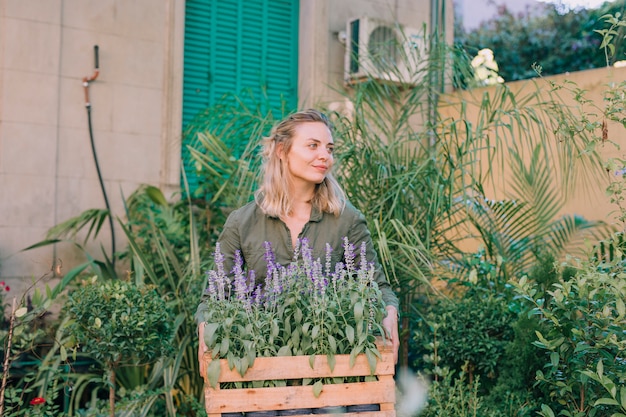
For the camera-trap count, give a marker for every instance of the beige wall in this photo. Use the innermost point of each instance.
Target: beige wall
(47, 173)
(589, 202)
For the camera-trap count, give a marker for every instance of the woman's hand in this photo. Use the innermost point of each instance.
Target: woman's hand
(201, 349)
(390, 324)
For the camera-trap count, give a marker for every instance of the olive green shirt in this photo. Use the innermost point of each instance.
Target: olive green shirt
(248, 228)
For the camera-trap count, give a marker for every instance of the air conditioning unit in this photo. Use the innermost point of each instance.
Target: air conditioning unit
(383, 51)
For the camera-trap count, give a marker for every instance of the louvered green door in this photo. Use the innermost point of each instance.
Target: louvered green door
(243, 47)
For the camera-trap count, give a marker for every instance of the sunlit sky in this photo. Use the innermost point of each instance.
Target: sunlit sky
(570, 4)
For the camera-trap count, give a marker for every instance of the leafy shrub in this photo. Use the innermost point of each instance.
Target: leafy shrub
(582, 329)
(468, 332)
(472, 334)
(117, 323)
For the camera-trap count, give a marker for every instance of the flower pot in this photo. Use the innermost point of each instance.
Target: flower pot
(380, 392)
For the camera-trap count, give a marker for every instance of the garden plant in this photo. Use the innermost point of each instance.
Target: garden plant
(505, 329)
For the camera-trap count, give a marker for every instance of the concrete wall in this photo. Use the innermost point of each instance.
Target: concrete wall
(590, 202)
(47, 172)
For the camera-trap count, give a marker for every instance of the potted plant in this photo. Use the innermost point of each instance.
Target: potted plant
(293, 341)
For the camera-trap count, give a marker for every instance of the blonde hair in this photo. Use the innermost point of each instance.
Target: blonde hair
(273, 193)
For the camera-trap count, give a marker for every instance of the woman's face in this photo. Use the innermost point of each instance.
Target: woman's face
(310, 157)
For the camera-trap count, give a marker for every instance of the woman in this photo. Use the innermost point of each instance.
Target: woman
(299, 198)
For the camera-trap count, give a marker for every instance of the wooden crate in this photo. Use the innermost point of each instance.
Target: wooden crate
(380, 392)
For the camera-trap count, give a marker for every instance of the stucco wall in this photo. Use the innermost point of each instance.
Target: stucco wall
(590, 202)
(47, 172)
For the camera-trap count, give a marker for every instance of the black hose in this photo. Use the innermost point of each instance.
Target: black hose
(95, 159)
(104, 192)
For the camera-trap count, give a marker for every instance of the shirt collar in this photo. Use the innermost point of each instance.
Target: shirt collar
(316, 214)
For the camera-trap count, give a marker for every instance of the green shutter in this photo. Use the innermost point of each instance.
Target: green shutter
(232, 46)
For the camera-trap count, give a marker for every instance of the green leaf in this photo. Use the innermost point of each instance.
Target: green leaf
(600, 368)
(546, 411)
(606, 401)
(353, 356)
(350, 333)
(315, 331)
(20, 312)
(213, 373)
(554, 359)
(358, 311)
(622, 395)
(156, 195)
(284, 351)
(371, 359)
(317, 388)
(331, 361)
(210, 333)
(332, 342)
(242, 365)
(224, 346)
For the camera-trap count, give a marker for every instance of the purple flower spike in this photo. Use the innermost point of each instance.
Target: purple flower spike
(211, 289)
(219, 260)
(363, 272)
(307, 258)
(363, 256)
(329, 251)
(241, 286)
(319, 280)
(348, 254)
(257, 296)
(219, 277)
(270, 258)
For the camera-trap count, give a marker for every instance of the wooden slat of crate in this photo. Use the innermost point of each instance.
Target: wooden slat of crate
(298, 367)
(284, 398)
(380, 392)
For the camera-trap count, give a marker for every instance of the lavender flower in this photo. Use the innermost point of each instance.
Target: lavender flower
(240, 281)
(270, 259)
(257, 296)
(307, 258)
(294, 296)
(211, 290)
(218, 280)
(363, 271)
(329, 250)
(348, 254)
(339, 274)
(319, 280)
